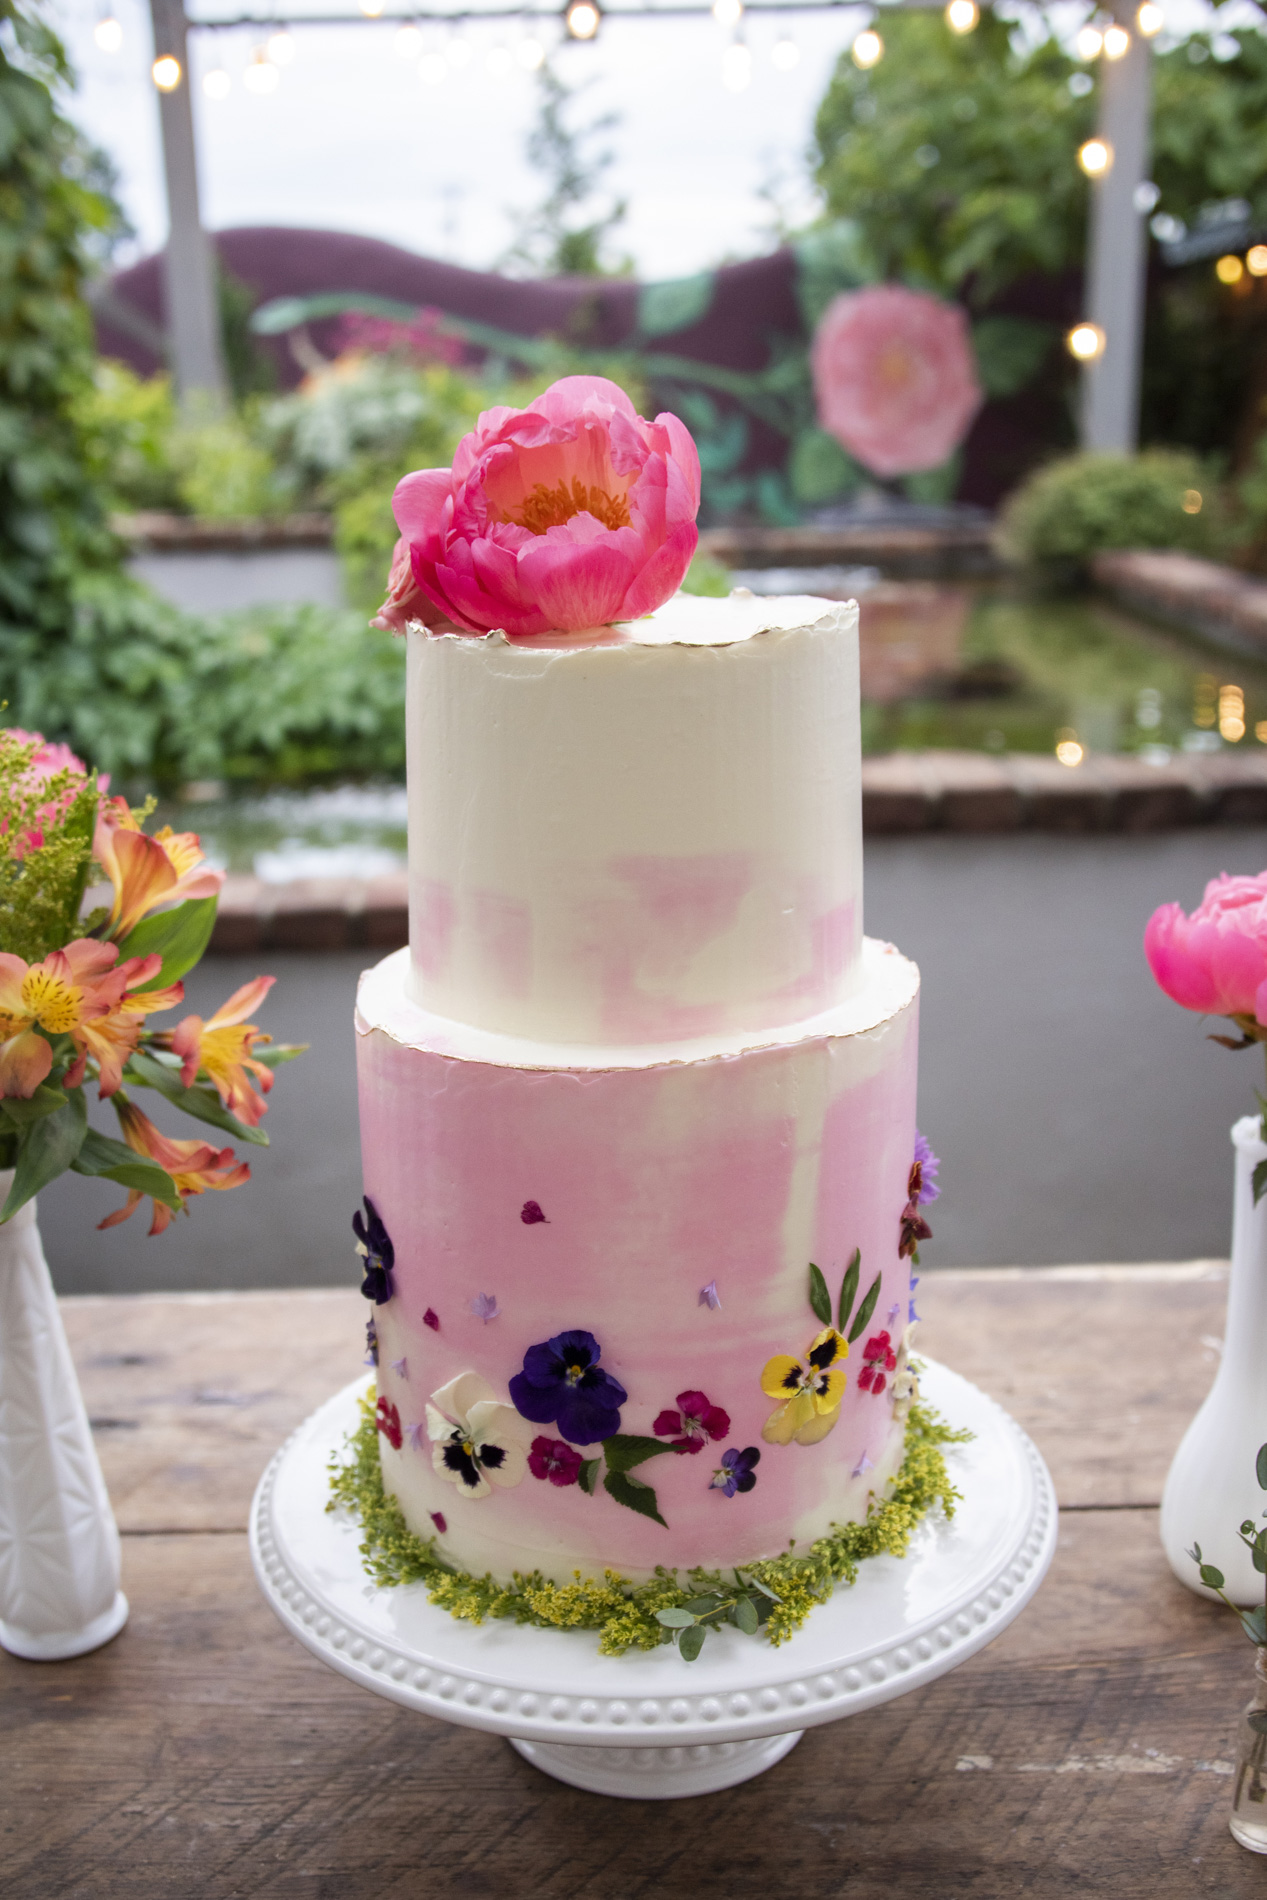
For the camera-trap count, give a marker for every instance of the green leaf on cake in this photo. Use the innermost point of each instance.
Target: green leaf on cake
(849, 1290)
(865, 1310)
(1260, 1467)
(691, 1641)
(675, 1619)
(1259, 1180)
(627, 1449)
(633, 1494)
(819, 1297)
(746, 1616)
(587, 1476)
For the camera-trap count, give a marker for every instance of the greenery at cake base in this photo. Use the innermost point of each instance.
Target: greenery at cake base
(633, 1615)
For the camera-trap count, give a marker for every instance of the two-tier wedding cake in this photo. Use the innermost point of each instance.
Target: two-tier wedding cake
(638, 1100)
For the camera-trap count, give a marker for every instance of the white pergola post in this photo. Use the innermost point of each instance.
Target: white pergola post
(1117, 248)
(189, 277)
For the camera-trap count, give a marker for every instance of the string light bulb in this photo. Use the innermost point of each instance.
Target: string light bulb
(108, 34)
(868, 49)
(261, 76)
(1229, 269)
(1150, 19)
(1089, 43)
(458, 54)
(728, 12)
(281, 47)
(962, 15)
(1096, 157)
(216, 83)
(408, 41)
(498, 61)
(532, 55)
(582, 19)
(433, 69)
(1085, 342)
(784, 55)
(736, 67)
(166, 73)
(1117, 42)
(371, 8)
(1256, 260)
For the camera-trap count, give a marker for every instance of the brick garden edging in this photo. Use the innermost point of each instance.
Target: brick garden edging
(906, 792)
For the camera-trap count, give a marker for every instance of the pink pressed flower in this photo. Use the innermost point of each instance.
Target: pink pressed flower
(572, 513)
(696, 1420)
(895, 378)
(551, 1459)
(1215, 961)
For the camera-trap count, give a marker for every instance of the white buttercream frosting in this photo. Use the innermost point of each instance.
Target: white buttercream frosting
(641, 835)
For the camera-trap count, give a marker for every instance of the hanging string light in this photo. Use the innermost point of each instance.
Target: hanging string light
(166, 73)
(1089, 42)
(433, 69)
(1096, 157)
(1086, 341)
(261, 76)
(1117, 42)
(728, 12)
(498, 61)
(582, 19)
(962, 15)
(736, 67)
(868, 49)
(216, 83)
(371, 8)
(281, 47)
(785, 54)
(531, 54)
(1256, 260)
(108, 34)
(1150, 19)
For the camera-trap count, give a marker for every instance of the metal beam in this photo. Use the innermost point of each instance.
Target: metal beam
(189, 275)
(1117, 250)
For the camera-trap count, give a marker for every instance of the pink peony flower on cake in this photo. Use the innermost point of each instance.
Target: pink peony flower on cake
(1214, 962)
(574, 512)
(895, 378)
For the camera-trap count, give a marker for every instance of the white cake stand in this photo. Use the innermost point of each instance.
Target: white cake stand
(649, 1725)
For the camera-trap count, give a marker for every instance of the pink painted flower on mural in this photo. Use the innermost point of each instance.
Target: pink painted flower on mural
(574, 512)
(895, 378)
(1215, 962)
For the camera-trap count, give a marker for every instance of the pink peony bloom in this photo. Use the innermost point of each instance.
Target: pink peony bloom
(573, 513)
(1216, 960)
(895, 378)
(405, 599)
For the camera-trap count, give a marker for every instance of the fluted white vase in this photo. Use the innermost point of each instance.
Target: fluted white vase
(1212, 1487)
(59, 1549)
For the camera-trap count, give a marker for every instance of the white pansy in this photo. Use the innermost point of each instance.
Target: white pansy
(476, 1440)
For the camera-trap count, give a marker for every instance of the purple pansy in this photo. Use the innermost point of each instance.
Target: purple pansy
(927, 1163)
(710, 1297)
(373, 1243)
(417, 1436)
(530, 1213)
(911, 1302)
(563, 1384)
(863, 1464)
(695, 1420)
(371, 1342)
(485, 1307)
(551, 1458)
(401, 1368)
(736, 1472)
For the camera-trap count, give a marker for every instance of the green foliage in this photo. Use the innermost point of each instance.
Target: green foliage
(555, 241)
(707, 577)
(1073, 508)
(130, 421)
(41, 890)
(223, 471)
(1254, 1538)
(781, 1590)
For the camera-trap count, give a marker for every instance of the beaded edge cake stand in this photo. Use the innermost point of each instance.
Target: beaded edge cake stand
(647, 1724)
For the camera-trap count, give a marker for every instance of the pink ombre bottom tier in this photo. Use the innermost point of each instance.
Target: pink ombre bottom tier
(667, 1203)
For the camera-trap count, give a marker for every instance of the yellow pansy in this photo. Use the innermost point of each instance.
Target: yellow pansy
(810, 1389)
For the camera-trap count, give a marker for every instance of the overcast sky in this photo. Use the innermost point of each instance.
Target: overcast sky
(353, 137)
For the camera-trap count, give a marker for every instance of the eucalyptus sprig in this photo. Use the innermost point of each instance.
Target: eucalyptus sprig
(1253, 1622)
(747, 1606)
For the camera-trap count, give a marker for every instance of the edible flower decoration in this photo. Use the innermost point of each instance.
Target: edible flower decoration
(550, 1458)
(695, 1421)
(373, 1243)
(737, 1471)
(913, 1227)
(387, 1418)
(476, 1440)
(905, 1379)
(563, 1384)
(879, 1358)
(572, 513)
(811, 1390)
(928, 1164)
(191, 1166)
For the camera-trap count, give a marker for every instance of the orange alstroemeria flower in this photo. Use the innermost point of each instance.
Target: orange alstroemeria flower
(194, 1166)
(147, 871)
(223, 1047)
(83, 992)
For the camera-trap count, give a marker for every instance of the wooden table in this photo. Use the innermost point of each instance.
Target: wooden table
(205, 1753)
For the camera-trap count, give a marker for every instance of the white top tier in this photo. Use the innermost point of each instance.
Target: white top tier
(640, 834)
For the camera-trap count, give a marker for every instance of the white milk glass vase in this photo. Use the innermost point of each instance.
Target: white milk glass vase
(59, 1549)
(1212, 1487)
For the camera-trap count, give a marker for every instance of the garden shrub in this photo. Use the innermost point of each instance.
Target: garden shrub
(1073, 508)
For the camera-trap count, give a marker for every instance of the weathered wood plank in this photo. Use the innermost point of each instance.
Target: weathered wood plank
(204, 1754)
(193, 1393)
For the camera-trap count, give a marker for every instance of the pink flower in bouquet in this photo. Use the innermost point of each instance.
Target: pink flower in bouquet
(82, 992)
(224, 1048)
(572, 513)
(1214, 962)
(194, 1166)
(51, 759)
(895, 378)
